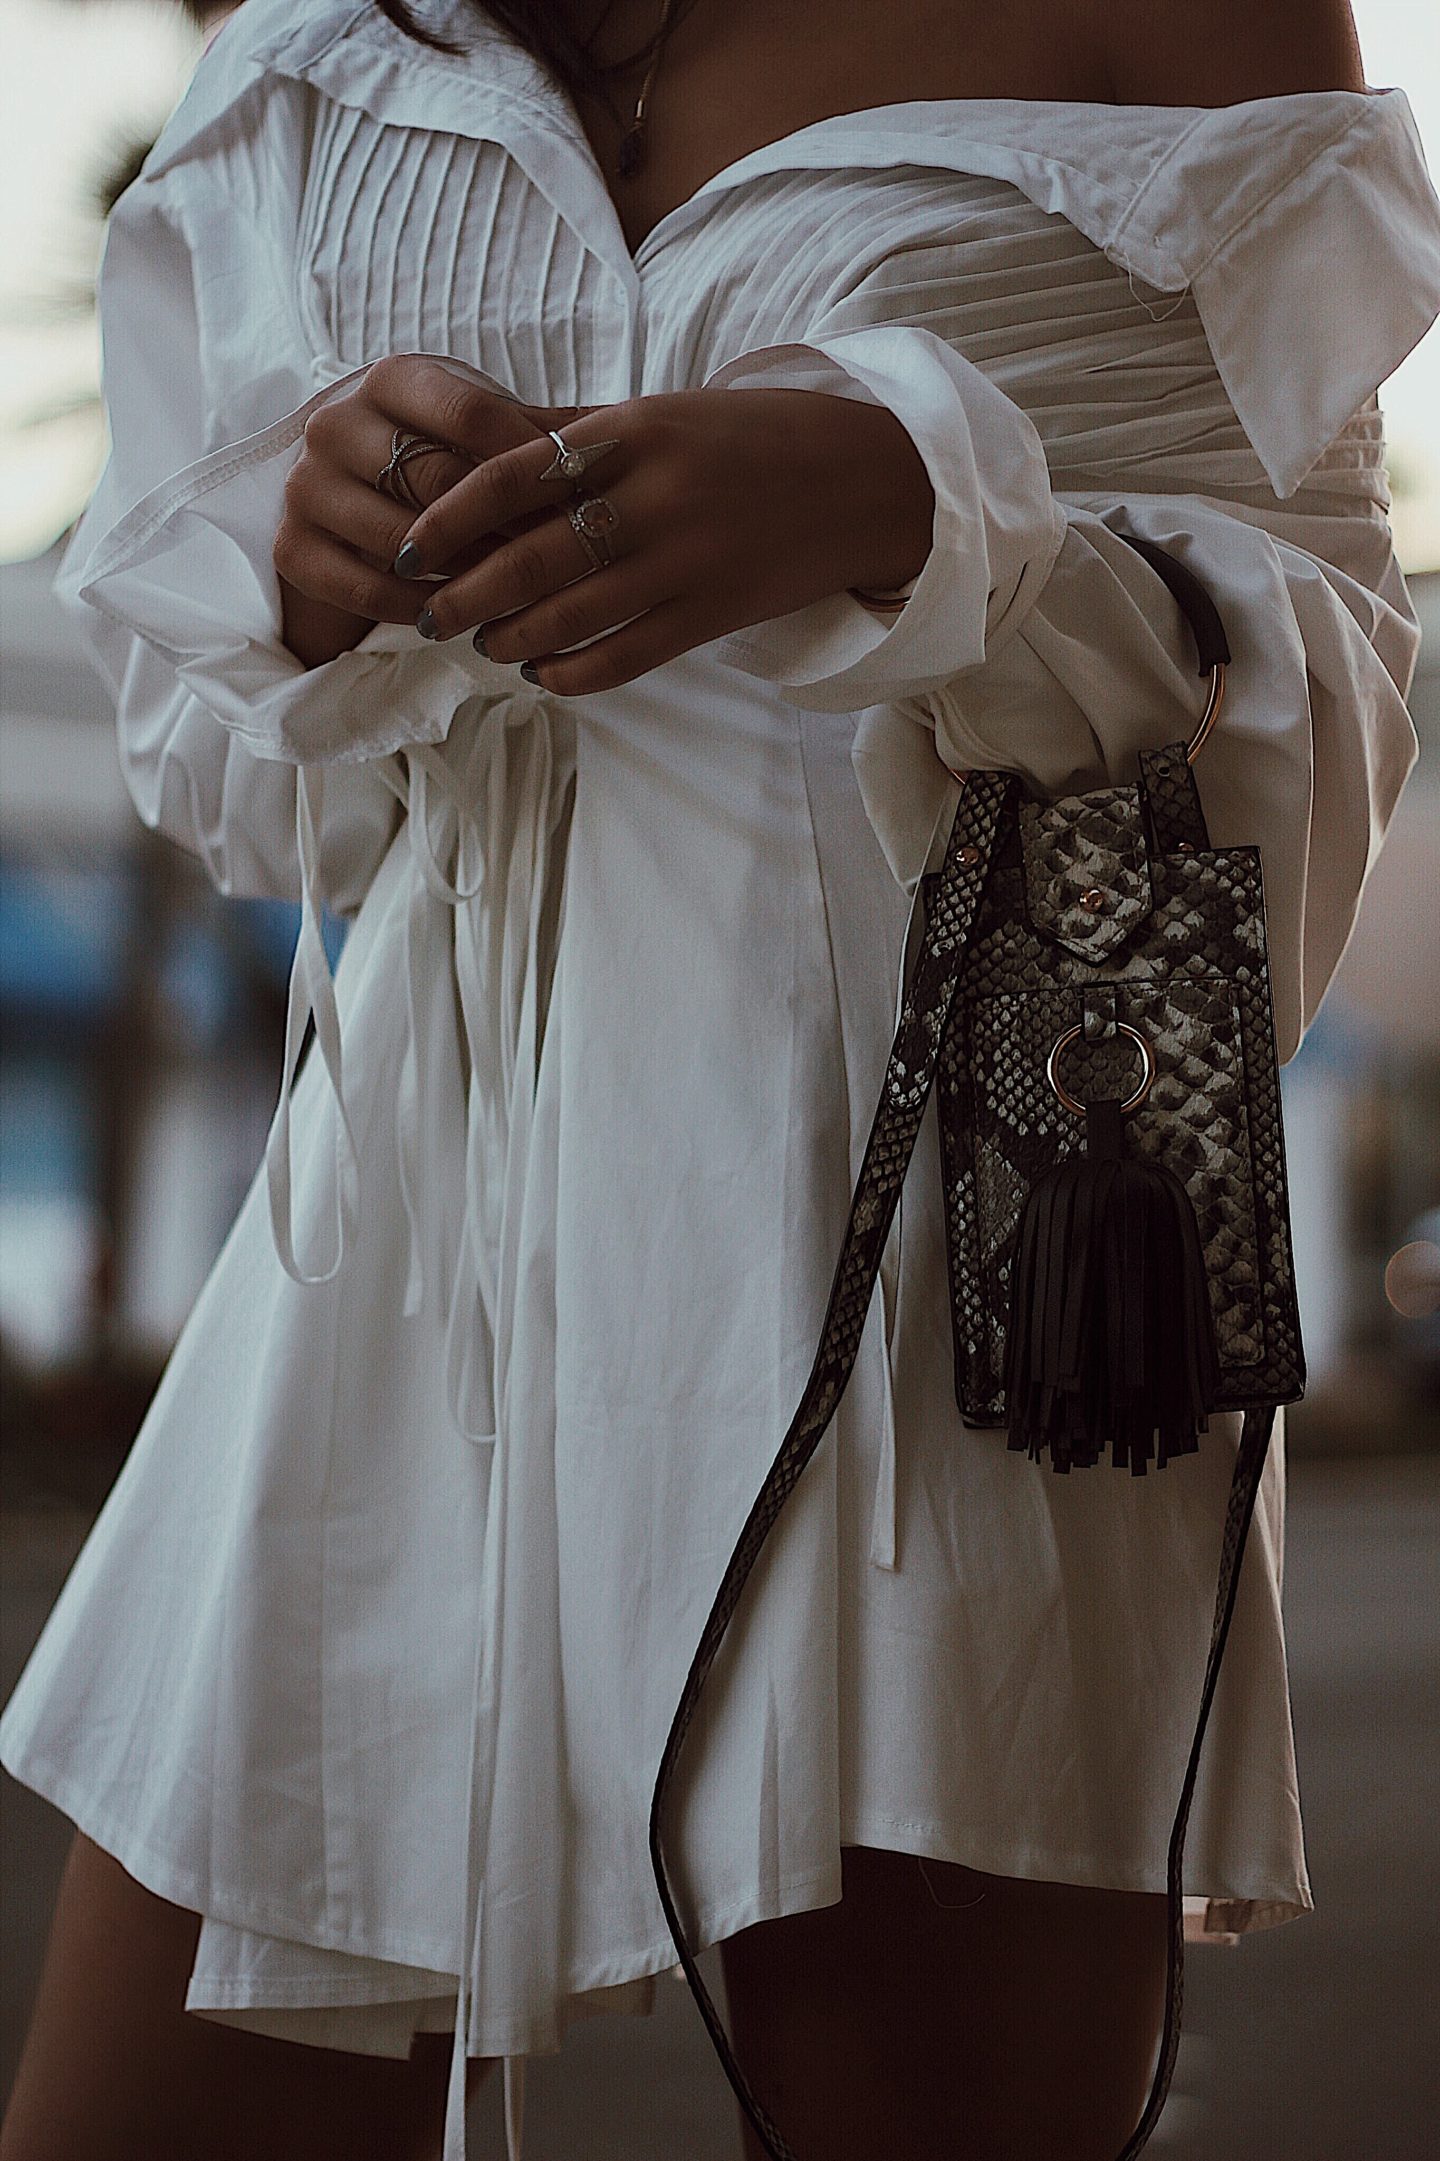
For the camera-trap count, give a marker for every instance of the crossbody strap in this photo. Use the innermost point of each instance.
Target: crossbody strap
(909, 1078)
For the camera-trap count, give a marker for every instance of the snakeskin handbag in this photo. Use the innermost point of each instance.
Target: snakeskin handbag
(1091, 1003)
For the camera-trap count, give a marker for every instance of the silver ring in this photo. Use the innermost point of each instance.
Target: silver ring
(393, 480)
(592, 519)
(574, 460)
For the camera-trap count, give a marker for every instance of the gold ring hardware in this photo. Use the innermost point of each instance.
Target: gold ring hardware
(1210, 715)
(1072, 1035)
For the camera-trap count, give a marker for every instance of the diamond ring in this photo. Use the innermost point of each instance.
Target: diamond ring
(572, 463)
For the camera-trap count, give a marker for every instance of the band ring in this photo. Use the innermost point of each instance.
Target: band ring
(574, 460)
(393, 480)
(1072, 1035)
(592, 520)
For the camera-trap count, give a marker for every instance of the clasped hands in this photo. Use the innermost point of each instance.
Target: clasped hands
(731, 507)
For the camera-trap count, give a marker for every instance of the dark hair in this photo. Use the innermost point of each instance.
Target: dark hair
(536, 25)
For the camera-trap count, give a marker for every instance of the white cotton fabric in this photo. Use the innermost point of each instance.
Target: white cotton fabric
(371, 1653)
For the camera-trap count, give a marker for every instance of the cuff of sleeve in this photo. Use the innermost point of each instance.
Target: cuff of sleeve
(190, 570)
(997, 527)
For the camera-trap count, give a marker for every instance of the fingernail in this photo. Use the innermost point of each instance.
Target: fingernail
(478, 641)
(530, 672)
(407, 563)
(426, 624)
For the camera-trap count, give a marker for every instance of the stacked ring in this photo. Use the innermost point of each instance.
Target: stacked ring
(392, 480)
(592, 519)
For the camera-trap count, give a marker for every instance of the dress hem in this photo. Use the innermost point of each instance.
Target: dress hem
(1225, 1915)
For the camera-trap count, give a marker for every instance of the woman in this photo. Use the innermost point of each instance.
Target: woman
(356, 1693)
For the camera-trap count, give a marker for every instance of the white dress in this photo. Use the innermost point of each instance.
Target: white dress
(371, 1653)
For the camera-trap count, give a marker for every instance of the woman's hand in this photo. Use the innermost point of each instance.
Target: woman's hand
(339, 534)
(730, 507)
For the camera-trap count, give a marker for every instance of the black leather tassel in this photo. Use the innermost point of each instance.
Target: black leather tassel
(1111, 1337)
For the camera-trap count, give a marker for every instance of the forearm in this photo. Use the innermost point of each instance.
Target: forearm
(892, 492)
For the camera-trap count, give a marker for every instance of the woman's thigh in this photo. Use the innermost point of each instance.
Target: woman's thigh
(951, 2015)
(115, 2069)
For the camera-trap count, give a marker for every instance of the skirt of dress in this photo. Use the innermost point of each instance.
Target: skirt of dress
(314, 1625)
(336, 2000)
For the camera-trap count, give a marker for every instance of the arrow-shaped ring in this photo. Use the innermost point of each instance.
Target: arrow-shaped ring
(573, 462)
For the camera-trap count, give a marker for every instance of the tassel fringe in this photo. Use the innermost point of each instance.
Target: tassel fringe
(1111, 1336)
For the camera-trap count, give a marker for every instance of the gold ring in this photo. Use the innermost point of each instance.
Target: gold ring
(1210, 715)
(1072, 1035)
(592, 520)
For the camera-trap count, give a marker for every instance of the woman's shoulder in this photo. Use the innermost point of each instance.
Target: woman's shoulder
(1225, 52)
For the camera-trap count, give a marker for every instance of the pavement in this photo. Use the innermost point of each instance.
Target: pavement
(1316, 2041)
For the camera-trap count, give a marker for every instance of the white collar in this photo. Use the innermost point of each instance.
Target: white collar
(1159, 187)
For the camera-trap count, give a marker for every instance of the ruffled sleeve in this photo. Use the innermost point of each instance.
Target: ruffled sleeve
(997, 527)
(207, 380)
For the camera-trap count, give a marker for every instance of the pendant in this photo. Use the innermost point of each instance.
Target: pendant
(631, 154)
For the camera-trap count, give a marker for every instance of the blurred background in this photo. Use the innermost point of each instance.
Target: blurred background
(141, 1018)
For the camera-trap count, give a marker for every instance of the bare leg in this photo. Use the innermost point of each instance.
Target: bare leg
(1017, 2025)
(115, 2069)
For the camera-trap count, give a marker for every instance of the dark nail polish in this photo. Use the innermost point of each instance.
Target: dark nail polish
(426, 625)
(478, 641)
(407, 562)
(530, 672)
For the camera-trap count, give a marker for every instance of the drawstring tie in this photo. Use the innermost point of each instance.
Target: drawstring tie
(487, 828)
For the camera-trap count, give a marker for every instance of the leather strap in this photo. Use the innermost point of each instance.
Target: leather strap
(1211, 645)
(909, 1078)
(1177, 821)
(1244, 1486)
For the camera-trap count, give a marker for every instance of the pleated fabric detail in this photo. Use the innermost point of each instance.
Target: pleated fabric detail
(415, 241)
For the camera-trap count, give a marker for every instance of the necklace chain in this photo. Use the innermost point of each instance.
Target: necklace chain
(630, 158)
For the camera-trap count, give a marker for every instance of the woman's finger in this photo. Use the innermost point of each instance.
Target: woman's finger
(598, 602)
(667, 631)
(316, 563)
(542, 561)
(349, 436)
(508, 487)
(334, 490)
(438, 397)
(366, 521)
(343, 506)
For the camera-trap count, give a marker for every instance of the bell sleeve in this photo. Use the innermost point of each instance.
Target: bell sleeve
(208, 378)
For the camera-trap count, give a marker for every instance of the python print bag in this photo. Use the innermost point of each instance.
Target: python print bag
(1091, 995)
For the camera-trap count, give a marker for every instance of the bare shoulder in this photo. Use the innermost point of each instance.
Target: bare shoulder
(1221, 52)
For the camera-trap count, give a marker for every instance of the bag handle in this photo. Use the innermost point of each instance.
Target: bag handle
(1212, 648)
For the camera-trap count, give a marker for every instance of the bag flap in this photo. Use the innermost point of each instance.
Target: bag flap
(1087, 870)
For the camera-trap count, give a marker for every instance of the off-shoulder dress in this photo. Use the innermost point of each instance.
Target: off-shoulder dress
(371, 1653)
